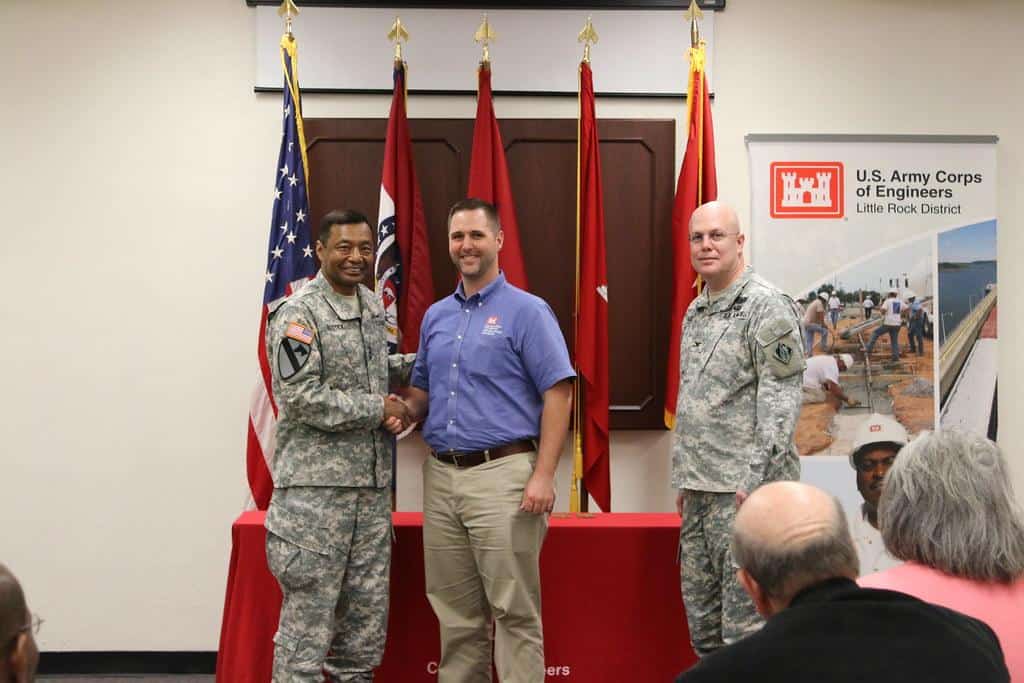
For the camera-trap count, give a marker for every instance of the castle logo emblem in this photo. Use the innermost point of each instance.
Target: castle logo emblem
(807, 189)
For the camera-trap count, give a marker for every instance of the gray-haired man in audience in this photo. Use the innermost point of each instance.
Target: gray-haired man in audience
(797, 561)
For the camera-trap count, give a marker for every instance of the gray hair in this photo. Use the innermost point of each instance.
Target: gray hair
(782, 572)
(947, 503)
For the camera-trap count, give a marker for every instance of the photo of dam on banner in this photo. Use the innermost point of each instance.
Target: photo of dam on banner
(967, 328)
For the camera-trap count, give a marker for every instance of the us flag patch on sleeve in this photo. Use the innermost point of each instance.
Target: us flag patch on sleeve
(299, 333)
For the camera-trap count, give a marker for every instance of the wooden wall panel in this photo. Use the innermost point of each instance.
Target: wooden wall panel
(345, 157)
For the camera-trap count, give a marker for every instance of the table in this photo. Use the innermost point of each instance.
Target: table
(611, 604)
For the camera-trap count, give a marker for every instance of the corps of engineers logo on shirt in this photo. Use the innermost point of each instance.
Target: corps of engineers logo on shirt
(492, 327)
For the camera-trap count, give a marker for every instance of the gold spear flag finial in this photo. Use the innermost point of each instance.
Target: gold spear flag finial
(589, 37)
(288, 10)
(396, 35)
(484, 35)
(693, 14)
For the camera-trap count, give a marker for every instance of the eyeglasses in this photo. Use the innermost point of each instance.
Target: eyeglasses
(716, 236)
(870, 465)
(35, 624)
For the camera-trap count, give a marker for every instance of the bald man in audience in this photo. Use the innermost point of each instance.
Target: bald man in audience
(19, 655)
(798, 563)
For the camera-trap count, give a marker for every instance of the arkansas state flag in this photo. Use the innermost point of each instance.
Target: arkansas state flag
(592, 323)
(697, 185)
(488, 179)
(402, 267)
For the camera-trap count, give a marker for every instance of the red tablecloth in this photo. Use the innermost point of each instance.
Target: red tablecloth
(612, 610)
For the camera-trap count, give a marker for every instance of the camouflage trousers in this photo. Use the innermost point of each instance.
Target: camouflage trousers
(718, 610)
(330, 550)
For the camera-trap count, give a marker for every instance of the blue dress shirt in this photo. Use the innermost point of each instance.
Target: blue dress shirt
(485, 362)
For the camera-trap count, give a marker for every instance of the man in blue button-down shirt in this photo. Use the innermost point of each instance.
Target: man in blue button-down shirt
(493, 376)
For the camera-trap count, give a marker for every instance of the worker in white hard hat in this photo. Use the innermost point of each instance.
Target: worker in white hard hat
(875, 447)
(821, 380)
(834, 306)
(868, 304)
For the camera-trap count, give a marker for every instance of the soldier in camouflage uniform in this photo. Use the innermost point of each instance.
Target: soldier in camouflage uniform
(329, 522)
(741, 365)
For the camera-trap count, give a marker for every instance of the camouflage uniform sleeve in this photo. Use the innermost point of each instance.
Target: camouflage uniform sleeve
(678, 436)
(774, 338)
(293, 347)
(400, 369)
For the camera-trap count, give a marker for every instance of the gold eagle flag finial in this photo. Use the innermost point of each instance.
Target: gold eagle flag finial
(588, 36)
(693, 14)
(288, 10)
(484, 35)
(397, 35)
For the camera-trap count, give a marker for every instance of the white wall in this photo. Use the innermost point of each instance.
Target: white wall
(136, 178)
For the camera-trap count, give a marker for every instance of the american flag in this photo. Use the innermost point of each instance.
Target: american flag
(290, 264)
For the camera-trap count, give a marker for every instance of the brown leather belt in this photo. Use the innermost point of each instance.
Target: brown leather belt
(464, 459)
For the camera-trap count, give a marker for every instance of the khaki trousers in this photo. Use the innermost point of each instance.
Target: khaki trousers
(481, 559)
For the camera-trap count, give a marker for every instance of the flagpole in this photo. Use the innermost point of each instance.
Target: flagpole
(576, 500)
(289, 262)
(484, 35)
(695, 124)
(396, 35)
(697, 57)
(697, 64)
(579, 500)
(287, 10)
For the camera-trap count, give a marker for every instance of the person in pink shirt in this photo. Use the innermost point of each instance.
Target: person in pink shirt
(948, 510)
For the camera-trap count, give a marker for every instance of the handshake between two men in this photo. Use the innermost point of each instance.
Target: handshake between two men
(399, 414)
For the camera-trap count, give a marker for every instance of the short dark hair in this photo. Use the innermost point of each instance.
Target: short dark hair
(783, 572)
(472, 204)
(340, 217)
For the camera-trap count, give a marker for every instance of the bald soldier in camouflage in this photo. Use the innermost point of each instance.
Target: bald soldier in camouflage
(329, 522)
(741, 368)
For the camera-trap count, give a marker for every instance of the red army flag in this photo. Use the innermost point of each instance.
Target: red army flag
(592, 308)
(697, 185)
(488, 179)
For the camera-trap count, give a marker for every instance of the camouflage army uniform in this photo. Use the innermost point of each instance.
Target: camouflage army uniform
(329, 522)
(741, 364)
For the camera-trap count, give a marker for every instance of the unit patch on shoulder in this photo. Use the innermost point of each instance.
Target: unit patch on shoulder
(783, 352)
(777, 342)
(294, 351)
